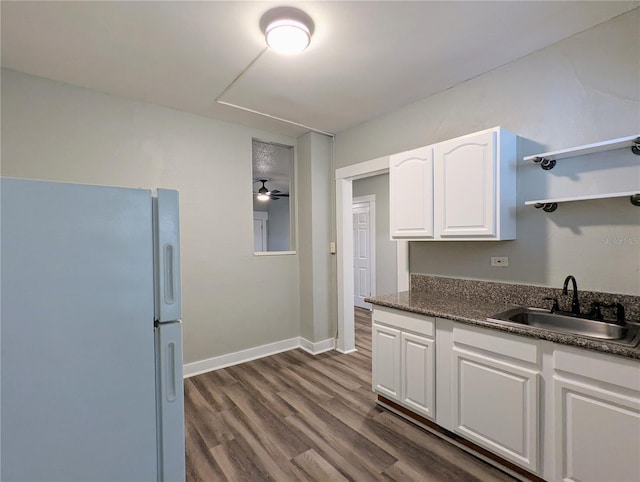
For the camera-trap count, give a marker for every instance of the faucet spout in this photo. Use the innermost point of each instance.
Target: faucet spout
(575, 304)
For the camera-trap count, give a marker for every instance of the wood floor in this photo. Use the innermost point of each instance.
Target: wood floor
(294, 416)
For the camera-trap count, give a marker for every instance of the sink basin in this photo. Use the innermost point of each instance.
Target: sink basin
(566, 323)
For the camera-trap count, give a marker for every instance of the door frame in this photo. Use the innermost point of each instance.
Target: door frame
(371, 201)
(346, 338)
(263, 217)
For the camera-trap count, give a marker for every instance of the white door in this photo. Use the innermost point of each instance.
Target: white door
(363, 251)
(260, 231)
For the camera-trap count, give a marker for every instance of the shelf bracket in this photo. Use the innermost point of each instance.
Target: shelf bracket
(545, 163)
(546, 207)
(635, 148)
(635, 199)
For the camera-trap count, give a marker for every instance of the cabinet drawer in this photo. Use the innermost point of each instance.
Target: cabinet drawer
(510, 346)
(424, 325)
(608, 368)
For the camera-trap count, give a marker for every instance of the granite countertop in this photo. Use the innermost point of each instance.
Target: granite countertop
(475, 312)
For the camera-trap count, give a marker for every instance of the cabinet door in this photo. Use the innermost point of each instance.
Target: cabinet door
(386, 361)
(465, 186)
(418, 374)
(495, 404)
(411, 194)
(597, 433)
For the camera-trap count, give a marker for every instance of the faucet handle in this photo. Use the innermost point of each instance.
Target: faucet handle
(555, 306)
(619, 310)
(595, 310)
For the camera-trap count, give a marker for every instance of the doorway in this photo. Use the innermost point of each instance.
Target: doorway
(345, 342)
(364, 250)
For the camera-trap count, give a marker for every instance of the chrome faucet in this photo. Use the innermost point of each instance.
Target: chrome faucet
(575, 304)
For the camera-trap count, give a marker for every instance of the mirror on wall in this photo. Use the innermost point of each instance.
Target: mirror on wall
(272, 197)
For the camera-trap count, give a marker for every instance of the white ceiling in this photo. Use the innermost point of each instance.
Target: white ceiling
(365, 59)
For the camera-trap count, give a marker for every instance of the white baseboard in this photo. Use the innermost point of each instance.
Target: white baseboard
(223, 361)
(346, 352)
(317, 347)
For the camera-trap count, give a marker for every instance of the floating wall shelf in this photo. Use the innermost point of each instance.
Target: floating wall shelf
(550, 205)
(548, 160)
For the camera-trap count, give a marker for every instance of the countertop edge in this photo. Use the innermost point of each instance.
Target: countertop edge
(529, 332)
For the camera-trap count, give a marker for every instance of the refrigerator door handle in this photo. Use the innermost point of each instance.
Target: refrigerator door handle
(171, 372)
(170, 401)
(167, 256)
(169, 279)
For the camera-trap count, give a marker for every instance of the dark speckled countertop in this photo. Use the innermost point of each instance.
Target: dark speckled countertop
(474, 310)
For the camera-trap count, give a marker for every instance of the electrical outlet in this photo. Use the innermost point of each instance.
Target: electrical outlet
(500, 261)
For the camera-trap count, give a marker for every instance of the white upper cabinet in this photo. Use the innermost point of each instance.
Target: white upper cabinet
(411, 194)
(473, 189)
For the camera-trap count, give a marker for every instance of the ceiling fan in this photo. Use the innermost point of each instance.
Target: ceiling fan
(264, 194)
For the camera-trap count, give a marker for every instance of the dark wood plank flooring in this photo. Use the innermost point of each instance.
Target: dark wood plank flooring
(294, 416)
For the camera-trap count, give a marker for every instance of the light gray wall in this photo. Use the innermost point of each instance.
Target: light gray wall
(386, 264)
(581, 90)
(59, 132)
(278, 225)
(317, 304)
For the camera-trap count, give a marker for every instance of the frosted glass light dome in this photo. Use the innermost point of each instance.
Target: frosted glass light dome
(287, 36)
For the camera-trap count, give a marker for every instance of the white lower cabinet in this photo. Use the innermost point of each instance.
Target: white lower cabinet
(403, 360)
(562, 413)
(597, 426)
(495, 392)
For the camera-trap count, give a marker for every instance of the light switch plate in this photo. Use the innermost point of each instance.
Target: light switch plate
(500, 261)
(332, 248)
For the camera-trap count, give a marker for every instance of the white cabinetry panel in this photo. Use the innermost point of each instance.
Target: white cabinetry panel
(465, 186)
(460, 189)
(404, 359)
(496, 406)
(386, 361)
(598, 434)
(411, 194)
(597, 416)
(418, 374)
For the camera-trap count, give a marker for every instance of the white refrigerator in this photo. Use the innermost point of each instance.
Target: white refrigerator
(91, 342)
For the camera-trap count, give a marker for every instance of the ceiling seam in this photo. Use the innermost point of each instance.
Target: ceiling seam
(263, 114)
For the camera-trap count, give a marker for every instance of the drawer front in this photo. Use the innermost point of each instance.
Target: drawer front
(507, 345)
(405, 321)
(596, 366)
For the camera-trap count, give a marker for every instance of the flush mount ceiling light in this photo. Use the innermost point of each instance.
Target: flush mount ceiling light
(273, 23)
(287, 30)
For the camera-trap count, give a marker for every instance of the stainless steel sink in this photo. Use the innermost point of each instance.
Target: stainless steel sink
(628, 334)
